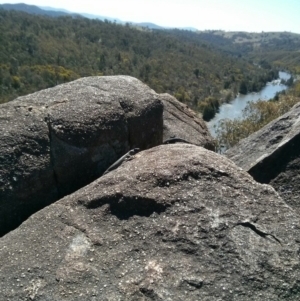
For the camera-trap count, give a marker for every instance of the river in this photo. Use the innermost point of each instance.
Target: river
(235, 108)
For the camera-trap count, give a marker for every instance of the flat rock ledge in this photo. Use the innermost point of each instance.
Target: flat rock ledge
(272, 155)
(177, 222)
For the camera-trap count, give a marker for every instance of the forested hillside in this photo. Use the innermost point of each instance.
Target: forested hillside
(37, 52)
(280, 49)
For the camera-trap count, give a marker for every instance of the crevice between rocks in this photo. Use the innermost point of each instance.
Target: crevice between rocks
(126, 108)
(47, 120)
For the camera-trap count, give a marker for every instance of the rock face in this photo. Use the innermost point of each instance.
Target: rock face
(57, 140)
(181, 121)
(177, 222)
(272, 155)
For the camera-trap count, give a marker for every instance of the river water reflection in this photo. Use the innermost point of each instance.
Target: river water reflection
(235, 109)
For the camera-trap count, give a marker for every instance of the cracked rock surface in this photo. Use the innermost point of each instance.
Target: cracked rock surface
(181, 121)
(55, 141)
(176, 222)
(272, 155)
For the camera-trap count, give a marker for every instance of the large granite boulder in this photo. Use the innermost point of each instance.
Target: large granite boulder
(272, 155)
(180, 121)
(177, 222)
(57, 140)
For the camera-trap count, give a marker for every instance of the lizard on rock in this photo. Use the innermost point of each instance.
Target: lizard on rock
(121, 160)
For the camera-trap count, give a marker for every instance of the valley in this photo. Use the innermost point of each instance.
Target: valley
(203, 69)
(38, 52)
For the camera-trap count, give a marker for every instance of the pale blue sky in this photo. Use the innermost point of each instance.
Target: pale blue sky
(229, 15)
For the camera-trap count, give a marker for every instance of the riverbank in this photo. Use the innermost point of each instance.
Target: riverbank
(235, 108)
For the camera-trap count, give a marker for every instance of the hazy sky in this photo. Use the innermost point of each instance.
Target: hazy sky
(230, 15)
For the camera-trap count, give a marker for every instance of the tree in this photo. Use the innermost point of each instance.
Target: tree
(197, 72)
(243, 88)
(102, 62)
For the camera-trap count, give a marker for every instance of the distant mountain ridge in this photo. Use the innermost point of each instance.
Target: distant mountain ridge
(89, 16)
(35, 10)
(59, 12)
